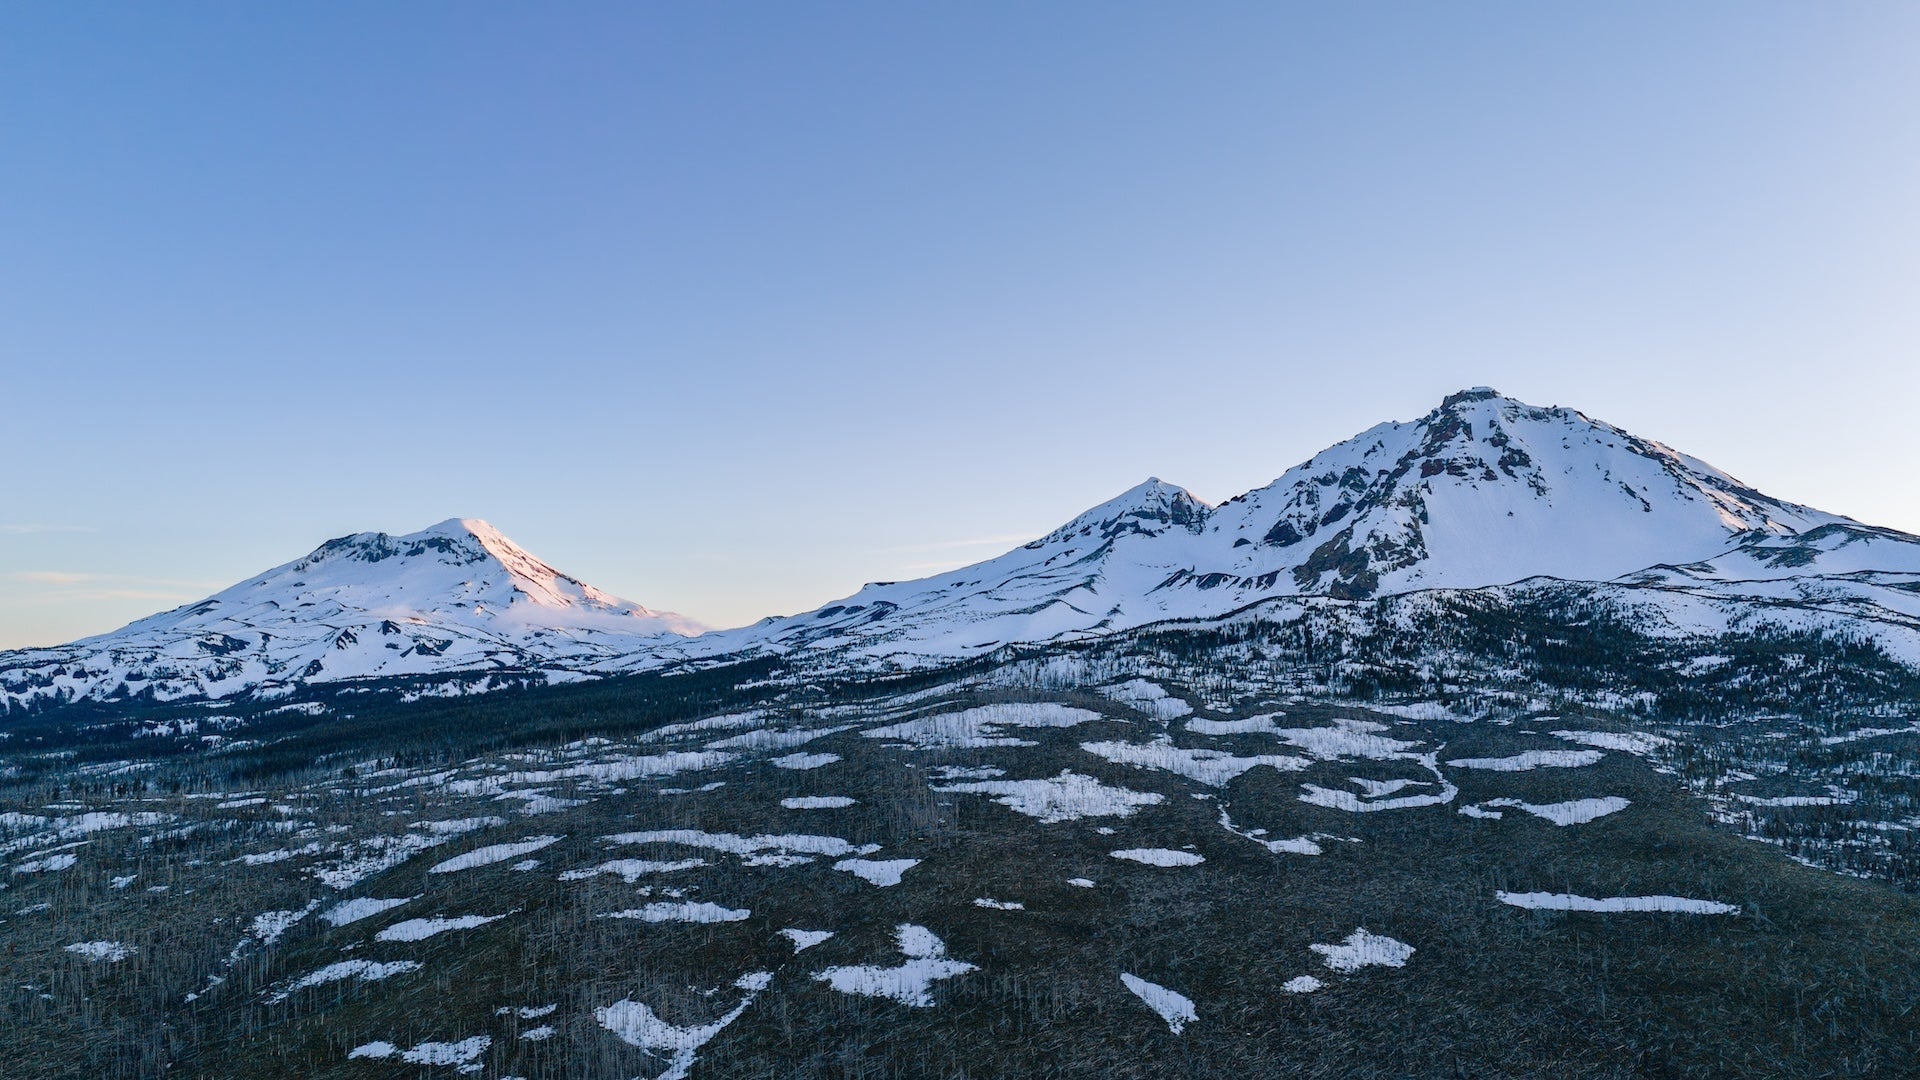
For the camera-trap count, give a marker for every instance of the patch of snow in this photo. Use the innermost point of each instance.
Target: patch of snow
(428, 1053)
(684, 911)
(816, 802)
(633, 1023)
(804, 761)
(1213, 768)
(1532, 759)
(1632, 743)
(1175, 1008)
(1080, 882)
(998, 905)
(1303, 984)
(1154, 856)
(966, 772)
(805, 939)
(1364, 949)
(1149, 698)
(908, 983)
(981, 727)
(363, 970)
(882, 872)
(109, 952)
(363, 908)
(421, 929)
(1066, 797)
(1571, 902)
(1573, 812)
(492, 853)
(631, 870)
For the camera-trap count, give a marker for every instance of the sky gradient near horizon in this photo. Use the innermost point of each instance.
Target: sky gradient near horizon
(729, 308)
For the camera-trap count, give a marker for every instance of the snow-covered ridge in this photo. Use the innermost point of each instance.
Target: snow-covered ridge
(457, 597)
(1482, 491)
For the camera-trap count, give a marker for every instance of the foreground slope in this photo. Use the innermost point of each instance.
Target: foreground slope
(1059, 867)
(457, 597)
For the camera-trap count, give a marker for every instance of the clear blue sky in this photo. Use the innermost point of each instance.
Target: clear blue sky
(728, 308)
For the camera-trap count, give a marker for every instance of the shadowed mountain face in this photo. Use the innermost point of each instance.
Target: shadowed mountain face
(1483, 491)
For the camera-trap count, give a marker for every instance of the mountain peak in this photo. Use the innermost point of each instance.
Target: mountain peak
(1472, 393)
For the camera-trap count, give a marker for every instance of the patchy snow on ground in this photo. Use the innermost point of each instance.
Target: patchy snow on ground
(805, 939)
(908, 983)
(882, 872)
(998, 905)
(1175, 1008)
(1420, 710)
(682, 911)
(631, 870)
(804, 761)
(267, 926)
(636, 1025)
(1532, 759)
(421, 929)
(527, 1012)
(428, 1053)
(1298, 845)
(1337, 799)
(363, 908)
(1364, 949)
(1213, 768)
(1571, 902)
(1633, 743)
(1155, 856)
(1081, 883)
(493, 853)
(363, 970)
(1572, 812)
(121, 881)
(785, 849)
(769, 739)
(966, 772)
(1343, 739)
(982, 726)
(51, 863)
(1149, 698)
(109, 952)
(1304, 984)
(1067, 797)
(816, 802)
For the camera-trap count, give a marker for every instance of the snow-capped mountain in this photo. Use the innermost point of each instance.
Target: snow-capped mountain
(1484, 490)
(457, 597)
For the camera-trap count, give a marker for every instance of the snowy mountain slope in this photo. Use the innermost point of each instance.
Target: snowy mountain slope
(457, 597)
(1482, 491)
